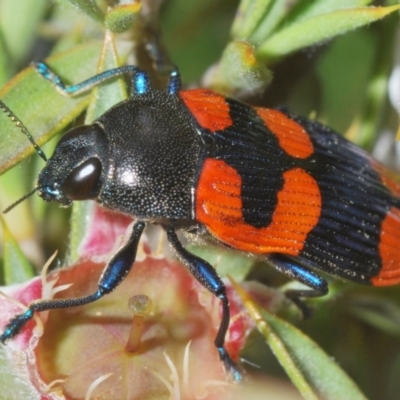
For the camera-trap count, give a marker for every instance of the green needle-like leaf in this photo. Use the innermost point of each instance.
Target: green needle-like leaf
(314, 8)
(278, 11)
(225, 261)
(248, 16)
(312, 371)
(88, 7)
(19, 21)
(239, 70)
(319, 28)
(16, 268)
(120, 18)
(39, 106)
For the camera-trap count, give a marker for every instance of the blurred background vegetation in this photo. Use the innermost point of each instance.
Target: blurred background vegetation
(306, 55)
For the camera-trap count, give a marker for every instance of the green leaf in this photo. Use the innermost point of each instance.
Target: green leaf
(312, 9)
(41, 108)
(278, 11)
(102, 98)
(120, 18)
(312, 371)
(16, 268)
(110, 92)
(80, 27)
(319, 28)
(291, 12)
(89, 7)
(239, 70)
(13, 187)
(248, 16)
(19, 21)
(5, 64)
(226, 261)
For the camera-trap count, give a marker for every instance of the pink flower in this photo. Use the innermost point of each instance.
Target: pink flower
(81, 352)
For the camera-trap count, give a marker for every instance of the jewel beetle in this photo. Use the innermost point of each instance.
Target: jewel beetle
(257, 180)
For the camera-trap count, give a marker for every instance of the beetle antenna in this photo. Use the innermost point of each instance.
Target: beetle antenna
(20, 200)
(24, 130)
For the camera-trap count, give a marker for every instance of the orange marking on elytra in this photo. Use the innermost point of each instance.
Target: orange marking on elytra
(209, 108)
(219, 208)
(389, 250)
(292, 137)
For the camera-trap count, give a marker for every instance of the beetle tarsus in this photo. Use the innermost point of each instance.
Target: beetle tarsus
(115, 271)
(15, 325)
(231, 367)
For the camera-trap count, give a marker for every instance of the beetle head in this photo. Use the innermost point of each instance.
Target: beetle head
(76, 169)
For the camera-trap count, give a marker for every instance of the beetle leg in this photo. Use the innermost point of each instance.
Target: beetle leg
(209, 278)
(140, 79)
(115, 271)
(294, 270)
(174, 84)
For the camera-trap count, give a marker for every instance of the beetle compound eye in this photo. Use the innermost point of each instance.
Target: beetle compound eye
(83, 182)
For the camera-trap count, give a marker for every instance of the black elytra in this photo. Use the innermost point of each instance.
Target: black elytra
(139, 158)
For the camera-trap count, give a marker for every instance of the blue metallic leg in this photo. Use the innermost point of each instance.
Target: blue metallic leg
(174, 84)
(209, 278)
(140, 79)
(115, 271)
(294, 270)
